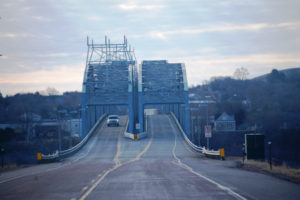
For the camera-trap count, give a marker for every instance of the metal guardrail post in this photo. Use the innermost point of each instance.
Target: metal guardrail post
(209, 153)
(74, 149)
(270, 154)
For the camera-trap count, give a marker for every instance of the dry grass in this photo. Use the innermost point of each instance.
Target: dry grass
(12, 166)
(7, 167)
(282, 171)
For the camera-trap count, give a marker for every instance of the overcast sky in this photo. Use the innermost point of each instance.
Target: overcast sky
(43, 42)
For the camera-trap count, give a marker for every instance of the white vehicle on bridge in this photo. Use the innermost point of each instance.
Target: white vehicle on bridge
(112, 120)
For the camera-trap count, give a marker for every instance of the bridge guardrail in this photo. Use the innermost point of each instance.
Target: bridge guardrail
(49, 157)
(68, 152)
(187, 140)
(202, 150)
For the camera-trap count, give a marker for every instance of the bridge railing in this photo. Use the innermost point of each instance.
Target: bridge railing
(202, 150)
(71, 151)
(188, 141)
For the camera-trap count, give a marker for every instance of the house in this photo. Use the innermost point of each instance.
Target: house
(73, 126)
(225, 123)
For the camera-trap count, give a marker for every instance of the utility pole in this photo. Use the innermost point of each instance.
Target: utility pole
(199, 128)
(207, 139)
(59, 131)
(270, 154)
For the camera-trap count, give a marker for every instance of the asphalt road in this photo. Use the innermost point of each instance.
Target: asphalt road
(160, 166)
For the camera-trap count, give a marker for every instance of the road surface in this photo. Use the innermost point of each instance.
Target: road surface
(160, 166)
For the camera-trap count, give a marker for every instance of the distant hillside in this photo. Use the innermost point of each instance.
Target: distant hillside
(12, 107)
(290, 73)
(267, 104)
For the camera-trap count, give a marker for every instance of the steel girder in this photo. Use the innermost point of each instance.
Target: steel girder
(160, 82)
(108, 82)
(112, 79)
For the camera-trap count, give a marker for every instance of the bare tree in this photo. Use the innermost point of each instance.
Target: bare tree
(49, 91)
(241, 73)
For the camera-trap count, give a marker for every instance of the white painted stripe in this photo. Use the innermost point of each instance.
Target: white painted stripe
(183, 165)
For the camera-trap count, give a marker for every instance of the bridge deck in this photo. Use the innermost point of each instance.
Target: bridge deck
(157, 167)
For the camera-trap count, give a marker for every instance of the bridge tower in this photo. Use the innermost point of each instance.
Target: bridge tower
(108, 83)
(163, 85)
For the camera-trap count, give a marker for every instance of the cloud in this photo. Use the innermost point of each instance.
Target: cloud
(58, 55)
(3, 56)
(134, 6)
(42, 18)
(59, 75)
(220, 28)
(255, 58)
(200, 68)
(15, 35)
(94, 18)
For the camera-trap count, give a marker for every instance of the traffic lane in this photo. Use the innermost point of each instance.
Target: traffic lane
(164, 139)
(156, 179)
(105, 143)
(72, 179)
(41, 168)
(157, 175)
(65, 183)
(251, 185)
(129, 148)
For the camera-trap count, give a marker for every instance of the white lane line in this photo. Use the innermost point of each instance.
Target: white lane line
(183, 165)
(84, 188)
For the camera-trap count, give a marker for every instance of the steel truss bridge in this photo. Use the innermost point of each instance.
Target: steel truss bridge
(165, 165)
(114, 84)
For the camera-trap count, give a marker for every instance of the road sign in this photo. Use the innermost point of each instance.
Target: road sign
(137, 126)
(207, 131)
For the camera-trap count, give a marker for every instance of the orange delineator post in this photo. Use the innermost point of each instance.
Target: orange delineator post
(222, 153)
(39, 156)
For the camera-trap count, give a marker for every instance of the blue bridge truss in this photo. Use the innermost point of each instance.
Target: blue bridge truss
(114, 84)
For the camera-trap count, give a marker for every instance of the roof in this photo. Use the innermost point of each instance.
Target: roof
(225, 117)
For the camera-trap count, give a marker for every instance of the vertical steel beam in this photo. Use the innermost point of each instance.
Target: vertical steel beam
(130, 99)
(186, 101)
(140, 98)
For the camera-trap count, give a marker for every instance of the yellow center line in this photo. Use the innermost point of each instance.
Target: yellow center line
(117, 164)
(85, 188)
(116, 158)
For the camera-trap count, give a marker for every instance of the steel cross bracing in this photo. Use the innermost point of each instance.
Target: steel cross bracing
(112, 79)
(108, 82)
(164, 83)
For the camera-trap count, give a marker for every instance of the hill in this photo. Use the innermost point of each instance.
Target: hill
(268, 104)
(291, 73)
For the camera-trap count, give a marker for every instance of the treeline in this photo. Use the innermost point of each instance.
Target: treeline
(268, 104)
(12, 108)
(25, 110)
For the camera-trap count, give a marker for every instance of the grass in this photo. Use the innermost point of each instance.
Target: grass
(10, 167)
(281, 171)
(7, 167)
